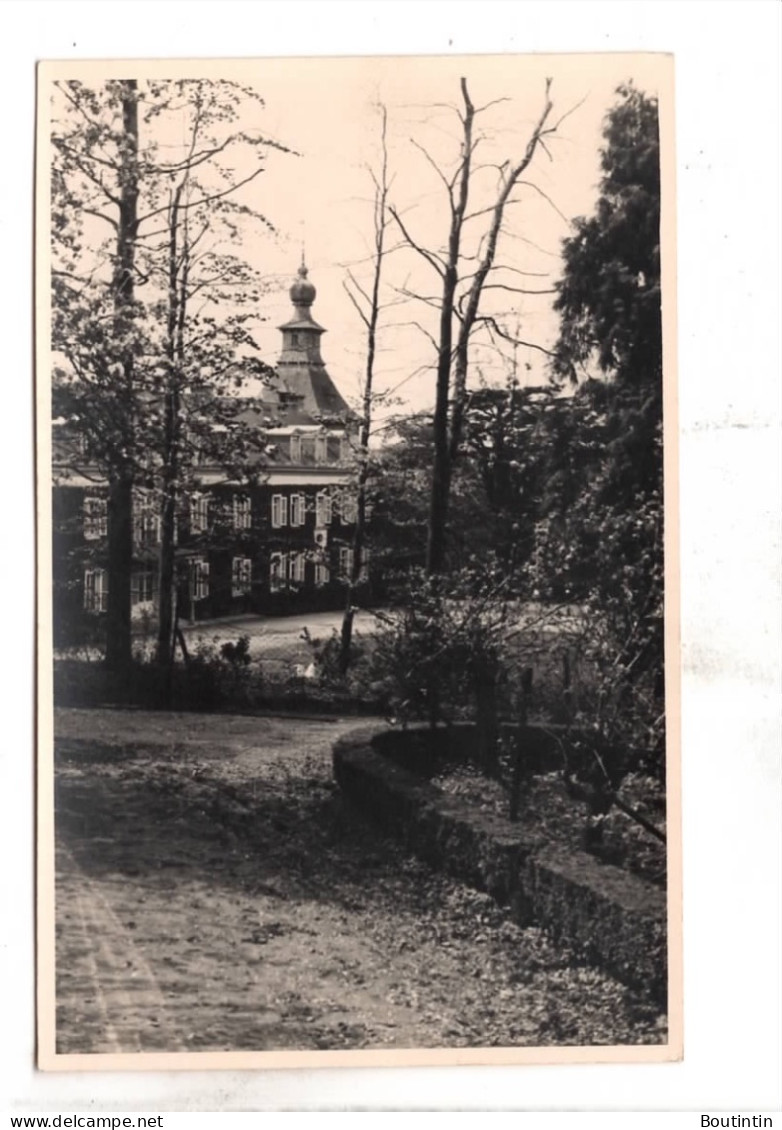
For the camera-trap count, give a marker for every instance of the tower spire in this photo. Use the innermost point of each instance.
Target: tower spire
(301, 365)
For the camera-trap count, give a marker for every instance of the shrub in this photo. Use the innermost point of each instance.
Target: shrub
(450, 651)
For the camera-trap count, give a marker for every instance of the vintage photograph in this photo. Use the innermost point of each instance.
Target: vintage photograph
(358, 678)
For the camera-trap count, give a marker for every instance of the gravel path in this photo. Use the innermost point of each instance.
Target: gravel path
(214, 894)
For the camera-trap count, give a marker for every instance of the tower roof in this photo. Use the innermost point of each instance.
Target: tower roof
(302, 292)
(300, 367)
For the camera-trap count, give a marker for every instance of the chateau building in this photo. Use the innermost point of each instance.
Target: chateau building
(277, 541)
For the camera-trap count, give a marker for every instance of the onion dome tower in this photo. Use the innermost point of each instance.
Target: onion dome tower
(301, 366)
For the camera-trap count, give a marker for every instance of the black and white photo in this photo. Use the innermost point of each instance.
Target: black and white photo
(358, 683)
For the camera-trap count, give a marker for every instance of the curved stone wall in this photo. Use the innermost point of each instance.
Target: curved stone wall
(605, 915)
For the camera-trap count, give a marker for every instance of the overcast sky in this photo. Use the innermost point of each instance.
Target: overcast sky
(326, 110)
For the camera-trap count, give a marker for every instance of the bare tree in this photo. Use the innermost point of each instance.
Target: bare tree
(367, 305)
(460, 296)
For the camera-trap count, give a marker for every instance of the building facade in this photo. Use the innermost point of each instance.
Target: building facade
(278, 540)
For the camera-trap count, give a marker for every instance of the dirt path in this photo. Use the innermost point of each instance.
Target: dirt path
(214, 894)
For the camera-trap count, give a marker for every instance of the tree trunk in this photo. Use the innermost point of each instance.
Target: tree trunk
(177, 297)
(120, 509)
(519, 753)
(381, 194)
(346, 634)
(487, 726)
(120, 564)
(441, 468)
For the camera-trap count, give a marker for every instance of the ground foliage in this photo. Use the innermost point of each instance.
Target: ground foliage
(209, 864)
(547, 809)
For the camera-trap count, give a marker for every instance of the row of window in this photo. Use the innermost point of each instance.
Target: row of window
(304, 448)
(146, 518)
(292, 509)
(143, 589)
(285, 510)
(288, 568)
(321, 448)
(284, 569)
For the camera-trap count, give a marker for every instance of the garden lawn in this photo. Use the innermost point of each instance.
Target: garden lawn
(213, 894)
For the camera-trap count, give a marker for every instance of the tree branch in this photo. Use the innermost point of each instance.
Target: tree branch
(207, 199)
(356, 305)
(429, 256)
(488, 320)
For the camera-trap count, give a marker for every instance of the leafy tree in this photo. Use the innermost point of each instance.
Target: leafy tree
(496, 485)
(507, 438)
(145, 365)
(609, 294)
(602, 538)
(105, 322)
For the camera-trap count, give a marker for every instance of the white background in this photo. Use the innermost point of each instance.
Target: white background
(728, 108)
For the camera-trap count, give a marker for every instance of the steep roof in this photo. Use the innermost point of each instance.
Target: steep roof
(317, 398)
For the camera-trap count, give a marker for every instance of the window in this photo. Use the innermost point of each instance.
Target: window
(364, 571)
(321, 449)
(322, 508)
(296, 568)
(295, 449)
(199, 578)
(298, 509)
(348, 510)
(143, 587)
(241, 576)
(345, 562)
(146, 519)
(295, 340)
(277, 568)
(242, 512)
(322, 574)
(279, 510)
(96, 519)
(96, 590)
(199, 513)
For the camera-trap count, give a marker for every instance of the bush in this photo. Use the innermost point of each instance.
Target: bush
(465, 648)
(452, 651)
(209, 679)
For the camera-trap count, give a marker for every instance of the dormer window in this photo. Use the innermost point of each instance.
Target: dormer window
(321, 448)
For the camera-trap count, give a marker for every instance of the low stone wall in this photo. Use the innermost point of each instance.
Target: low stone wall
(606, 916)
